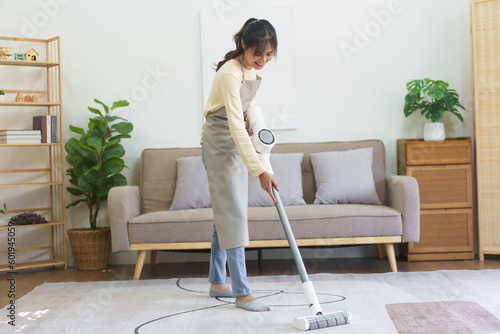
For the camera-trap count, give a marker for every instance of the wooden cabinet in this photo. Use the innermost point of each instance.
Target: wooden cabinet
(32, 177)
(444, 174)
(485, 29)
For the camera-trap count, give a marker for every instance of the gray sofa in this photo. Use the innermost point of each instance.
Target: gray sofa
(140, 218)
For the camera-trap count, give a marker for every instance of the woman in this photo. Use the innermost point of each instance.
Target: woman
(229, 155)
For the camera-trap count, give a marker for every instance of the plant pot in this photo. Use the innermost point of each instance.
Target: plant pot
(434, 132)
(91, 249)
(2, 98)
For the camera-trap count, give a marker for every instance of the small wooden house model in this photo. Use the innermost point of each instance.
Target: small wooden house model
(34, 98)
(31, 54)
(19, 97)
(28, 98)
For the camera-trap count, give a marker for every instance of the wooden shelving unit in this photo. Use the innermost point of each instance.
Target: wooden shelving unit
(53, 173)
(444, 174)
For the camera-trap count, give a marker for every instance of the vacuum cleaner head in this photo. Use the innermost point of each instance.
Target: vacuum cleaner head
(322, 320)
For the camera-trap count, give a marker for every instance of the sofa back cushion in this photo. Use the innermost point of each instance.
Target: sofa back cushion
(309, 183)
(159, 169)
(159, 176)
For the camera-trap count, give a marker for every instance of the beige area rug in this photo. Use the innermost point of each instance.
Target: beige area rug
(442, 317)
(183, 305)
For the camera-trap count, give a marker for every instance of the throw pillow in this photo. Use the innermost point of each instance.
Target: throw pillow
(288, 173)
(344, 177)
(192, 190)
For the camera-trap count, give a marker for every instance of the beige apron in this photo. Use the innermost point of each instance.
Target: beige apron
(227, 174)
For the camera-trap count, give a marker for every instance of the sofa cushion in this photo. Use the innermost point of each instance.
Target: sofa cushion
(288, 173)
(191, 191)
(344, 177)
(307, 221)
(172, 226)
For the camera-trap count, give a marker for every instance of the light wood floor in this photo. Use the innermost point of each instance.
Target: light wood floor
(28, 279)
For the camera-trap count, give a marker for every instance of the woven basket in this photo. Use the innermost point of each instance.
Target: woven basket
(90, 248)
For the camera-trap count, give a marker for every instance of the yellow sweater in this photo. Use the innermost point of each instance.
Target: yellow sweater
(226, 92)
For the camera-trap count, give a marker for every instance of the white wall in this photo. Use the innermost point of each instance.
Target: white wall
(149, 53)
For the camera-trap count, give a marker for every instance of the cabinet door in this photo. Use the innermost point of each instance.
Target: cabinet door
(438, 153)
(443, 187)
(445, 231)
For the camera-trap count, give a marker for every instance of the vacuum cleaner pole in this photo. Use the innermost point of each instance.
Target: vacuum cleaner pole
(263, 140)
(291, 238)
(311, 297)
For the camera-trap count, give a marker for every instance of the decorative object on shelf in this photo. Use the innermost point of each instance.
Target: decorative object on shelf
(31, 98)
(28, 218)
(4, 52)
(432, 98)
(19, 97)
(31, 54)
(19, 56)
(96, 164)
(2, 96)
(2, 211)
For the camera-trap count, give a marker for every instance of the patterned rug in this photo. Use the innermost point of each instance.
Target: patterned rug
(419, 302)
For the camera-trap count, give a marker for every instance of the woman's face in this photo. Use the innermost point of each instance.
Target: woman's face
(257, 60)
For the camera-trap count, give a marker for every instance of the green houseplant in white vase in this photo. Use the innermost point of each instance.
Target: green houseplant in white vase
(2, 96)
(432, 99)
(95, 160)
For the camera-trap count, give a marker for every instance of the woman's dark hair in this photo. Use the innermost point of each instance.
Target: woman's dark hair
(256, 34)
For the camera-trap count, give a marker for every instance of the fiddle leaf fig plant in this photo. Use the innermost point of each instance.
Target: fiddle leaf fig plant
(96, 158)
(432, 99)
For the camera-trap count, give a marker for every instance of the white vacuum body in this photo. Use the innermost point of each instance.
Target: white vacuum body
(263, 139)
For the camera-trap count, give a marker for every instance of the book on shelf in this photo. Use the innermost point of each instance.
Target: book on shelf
(48, 126)
(21, 136)
(20, 140)
(19, 132)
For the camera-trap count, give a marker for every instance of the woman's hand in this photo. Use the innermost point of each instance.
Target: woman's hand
(267, 182)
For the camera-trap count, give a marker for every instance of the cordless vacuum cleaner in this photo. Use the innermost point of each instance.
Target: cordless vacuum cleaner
(263, 140)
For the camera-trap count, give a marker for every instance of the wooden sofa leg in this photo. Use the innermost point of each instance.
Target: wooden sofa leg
(379, 251)
(140, 262)
(389, 248)
(152, 262)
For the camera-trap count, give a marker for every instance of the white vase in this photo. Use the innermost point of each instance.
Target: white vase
(2, 98)
(434, 132)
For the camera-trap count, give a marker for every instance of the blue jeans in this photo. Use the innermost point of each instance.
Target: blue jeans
(236, 262)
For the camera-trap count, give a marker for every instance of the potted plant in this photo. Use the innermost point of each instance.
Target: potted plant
(432, 99)
(2, 96)
(96, 164)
